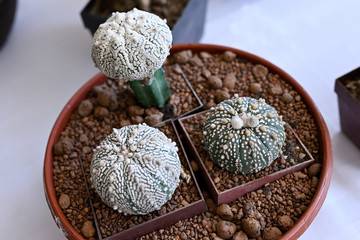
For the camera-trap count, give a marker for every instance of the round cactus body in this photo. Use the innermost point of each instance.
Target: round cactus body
(243, 135)
(131, 46)
(135, 169)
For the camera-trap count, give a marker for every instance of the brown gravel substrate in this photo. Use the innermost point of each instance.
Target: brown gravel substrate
(292, 154)
(353, 85)
(182, 97)
(71, 190)
(170, 10)
(263, 214)
(277, 205)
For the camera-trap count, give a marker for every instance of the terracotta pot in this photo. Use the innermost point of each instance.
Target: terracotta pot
(229, 195)
(324, 139)
(188, 28)
(349, 107)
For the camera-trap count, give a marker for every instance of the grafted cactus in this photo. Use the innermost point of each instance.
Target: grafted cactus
(132, 47)
(135, 169)
(243, 135)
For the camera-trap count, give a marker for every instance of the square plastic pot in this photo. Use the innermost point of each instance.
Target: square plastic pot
(226, 196)
(349, 108)
(189, 27)
(163, 221)
(184, 212)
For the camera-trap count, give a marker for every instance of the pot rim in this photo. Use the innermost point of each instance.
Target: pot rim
(325, 149)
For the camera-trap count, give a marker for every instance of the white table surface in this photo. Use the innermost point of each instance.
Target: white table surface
(47, 58)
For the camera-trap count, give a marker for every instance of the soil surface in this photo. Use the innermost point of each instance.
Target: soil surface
(266, 213)
(170, 10)
(353, 85)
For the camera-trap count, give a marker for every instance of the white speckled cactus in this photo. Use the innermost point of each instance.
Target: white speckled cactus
(243, 135)
(132, 47)
(135, 169)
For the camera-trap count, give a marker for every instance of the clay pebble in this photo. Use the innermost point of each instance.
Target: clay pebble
(85, 108)
(64, 201)
(230, 81)
(285, 222)
(88, 229)
(225, 229)
(314, 169)
(224, 212)
(287, 97)
(228, 56)
(215, 82)
(271, 233)
(251, 227)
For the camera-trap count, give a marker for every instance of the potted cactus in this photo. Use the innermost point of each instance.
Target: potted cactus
(132, 47)
(135, 169)
(185, 18)
(243, 135)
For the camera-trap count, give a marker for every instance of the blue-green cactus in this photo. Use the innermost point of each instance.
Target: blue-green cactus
(243, 135)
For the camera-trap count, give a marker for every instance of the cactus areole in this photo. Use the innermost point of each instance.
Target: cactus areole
(132, 47)
(135, 170)
(243, 135)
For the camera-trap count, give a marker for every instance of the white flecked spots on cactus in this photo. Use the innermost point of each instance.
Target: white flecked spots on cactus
(131, 46)
(249, 141)
(142, 168)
